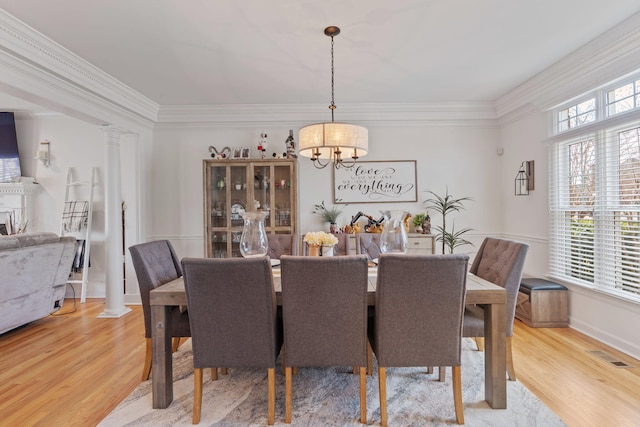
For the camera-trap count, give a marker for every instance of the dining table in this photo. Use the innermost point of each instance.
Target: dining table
(478, 291)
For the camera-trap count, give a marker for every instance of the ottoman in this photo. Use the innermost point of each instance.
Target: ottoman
(542, 304)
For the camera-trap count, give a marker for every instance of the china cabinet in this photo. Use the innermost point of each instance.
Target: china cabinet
(233, 186)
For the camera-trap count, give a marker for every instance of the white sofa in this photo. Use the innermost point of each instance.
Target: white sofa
(34, 270)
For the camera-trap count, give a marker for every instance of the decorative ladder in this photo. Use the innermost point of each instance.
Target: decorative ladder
(76, 221)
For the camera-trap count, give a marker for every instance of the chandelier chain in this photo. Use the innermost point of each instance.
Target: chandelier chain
(332, 107)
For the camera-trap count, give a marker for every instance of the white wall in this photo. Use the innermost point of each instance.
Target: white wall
(526, 217)
(73, 144)
(458, 156)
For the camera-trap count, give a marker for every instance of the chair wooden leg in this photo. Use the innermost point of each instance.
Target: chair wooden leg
(175, 344)
(223, 371)
(214, 374)
(146, 370)
(287, 395)
(442, 373)
(430, 370)
(382, 391)
(363, 395)
(282, 354)
(511, 370)
(356, 369)
(296, 370)
(197, 395)
(457, 393)
(479, 342)
(271, 416)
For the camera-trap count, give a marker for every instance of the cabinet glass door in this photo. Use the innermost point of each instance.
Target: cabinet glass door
(282, 198)
(262, 187)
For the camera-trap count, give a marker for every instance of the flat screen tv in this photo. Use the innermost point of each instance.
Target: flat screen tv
(9, 159)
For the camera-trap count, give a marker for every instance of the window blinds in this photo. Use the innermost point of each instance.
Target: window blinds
(595, 206)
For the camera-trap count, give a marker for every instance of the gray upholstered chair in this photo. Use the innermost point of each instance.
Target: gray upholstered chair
(418, 317)
(324, 304)
(232, 310)
(501, 262)
(342, 248)
(282, 244)
(155, 264)
(368, 244)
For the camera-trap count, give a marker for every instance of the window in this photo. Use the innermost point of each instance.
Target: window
(623, 98)
(595, 193)
(577, 115)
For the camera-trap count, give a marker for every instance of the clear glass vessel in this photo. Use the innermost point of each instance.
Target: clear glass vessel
(253, 242)
(394, 234)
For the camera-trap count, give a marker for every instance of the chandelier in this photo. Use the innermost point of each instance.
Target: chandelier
(333, 140)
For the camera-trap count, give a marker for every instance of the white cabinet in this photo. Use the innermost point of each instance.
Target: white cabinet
(18, 199)
(416, 243)
(421, 244)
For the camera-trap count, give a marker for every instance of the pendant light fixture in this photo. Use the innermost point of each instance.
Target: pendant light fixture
(333, 141)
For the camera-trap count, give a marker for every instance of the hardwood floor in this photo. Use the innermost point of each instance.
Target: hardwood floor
(73, 369)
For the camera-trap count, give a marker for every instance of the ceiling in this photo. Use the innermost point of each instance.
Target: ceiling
(199, 52)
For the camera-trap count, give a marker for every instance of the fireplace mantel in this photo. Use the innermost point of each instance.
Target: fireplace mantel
(18, 198)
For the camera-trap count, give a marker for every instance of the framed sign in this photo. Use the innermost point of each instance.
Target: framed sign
(375, 182)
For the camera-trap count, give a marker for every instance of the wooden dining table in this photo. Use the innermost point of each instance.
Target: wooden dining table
(479, 291)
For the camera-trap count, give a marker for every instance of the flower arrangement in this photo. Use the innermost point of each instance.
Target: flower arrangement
(320, 238)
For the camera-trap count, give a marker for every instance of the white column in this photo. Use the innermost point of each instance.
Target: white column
(114, 301)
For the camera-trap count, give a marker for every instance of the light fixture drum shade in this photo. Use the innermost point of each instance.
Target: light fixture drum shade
(330, 137)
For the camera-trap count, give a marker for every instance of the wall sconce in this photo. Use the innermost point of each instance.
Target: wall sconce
(525, 179)
(44, 153)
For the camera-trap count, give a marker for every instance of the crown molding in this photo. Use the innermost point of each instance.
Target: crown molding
(610, 56)
(44, 60)
(302, 114)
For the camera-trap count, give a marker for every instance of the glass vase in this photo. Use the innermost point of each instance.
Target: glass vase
(394, 234)
(254, 242)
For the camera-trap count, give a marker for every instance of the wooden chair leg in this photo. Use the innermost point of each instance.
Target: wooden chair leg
(146, 370)
(511, 370)
(214, 374)
(382, 390)
(197, 395)
(457, 393)
(479, 342)
(442, 373)
(369, 361)
(287, 395)
(430, 370)
(271, 417)
(223, 371)
(175, 344)
(363, 395)
(282, 353)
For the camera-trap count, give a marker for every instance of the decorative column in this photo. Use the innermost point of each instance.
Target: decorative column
(114, 301)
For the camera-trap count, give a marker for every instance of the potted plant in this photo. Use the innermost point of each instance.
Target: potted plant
(446, 205)
(327, 214)
(418, 219)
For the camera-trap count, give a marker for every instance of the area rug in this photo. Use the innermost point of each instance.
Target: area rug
(329, 397)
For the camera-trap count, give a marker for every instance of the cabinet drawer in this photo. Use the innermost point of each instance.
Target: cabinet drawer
(419, 243)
